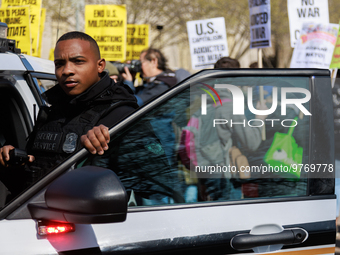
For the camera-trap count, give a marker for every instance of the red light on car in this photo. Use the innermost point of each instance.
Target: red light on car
(55, 228)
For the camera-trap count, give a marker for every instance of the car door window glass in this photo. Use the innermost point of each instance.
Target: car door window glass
(168, 156)
(44, 84)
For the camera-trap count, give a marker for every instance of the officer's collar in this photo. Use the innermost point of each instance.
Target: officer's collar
(56, 95)
(93, 91)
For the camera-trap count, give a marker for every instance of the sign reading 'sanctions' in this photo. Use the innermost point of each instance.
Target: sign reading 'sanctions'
(107, 25)
(208, 42)
(305, 11)
(260, 23)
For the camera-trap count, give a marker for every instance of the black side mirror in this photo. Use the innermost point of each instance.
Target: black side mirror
(86, 195)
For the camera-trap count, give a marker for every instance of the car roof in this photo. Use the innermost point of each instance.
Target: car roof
(13, 62)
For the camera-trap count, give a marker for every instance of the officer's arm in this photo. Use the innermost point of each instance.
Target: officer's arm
(96, 140)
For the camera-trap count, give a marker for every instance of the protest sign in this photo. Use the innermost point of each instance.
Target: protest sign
(35, 9)
(305, 11)
(137, 40)
(260, 23)
(41, 30)
(335, 63)
(51, 54)
(107, 25)
(208, 42)
(18, 22)
(315, 47)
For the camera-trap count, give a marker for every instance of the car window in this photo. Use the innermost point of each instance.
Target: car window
(201, 145)
(44, 84)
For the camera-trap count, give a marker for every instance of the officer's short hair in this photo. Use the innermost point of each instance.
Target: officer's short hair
(154, 53)
(81, 36)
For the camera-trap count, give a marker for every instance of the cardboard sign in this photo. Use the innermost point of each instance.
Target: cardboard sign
(35, 9)
(137, 40)
(208, 42)
(335, 63)
(315, 47)
(18, 22)
(107, 25)
(260, 23)
(305, 11)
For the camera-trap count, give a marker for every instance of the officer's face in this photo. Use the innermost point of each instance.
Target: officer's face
(77, 66)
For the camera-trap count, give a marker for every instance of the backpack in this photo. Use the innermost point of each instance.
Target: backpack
(200, 144)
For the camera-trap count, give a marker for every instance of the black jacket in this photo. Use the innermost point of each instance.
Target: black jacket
(59, 127)
(150, 90)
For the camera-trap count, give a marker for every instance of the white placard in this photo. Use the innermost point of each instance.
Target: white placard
(260, 28)
(304, 11)
(208, 42)
(315, 47)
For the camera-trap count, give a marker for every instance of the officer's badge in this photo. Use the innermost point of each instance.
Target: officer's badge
(70, 143)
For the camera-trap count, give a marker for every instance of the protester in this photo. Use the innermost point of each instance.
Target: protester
(85, 96)
(254, 65)
(113, 71)
(181, 74)
(156, 76)
(227, 62)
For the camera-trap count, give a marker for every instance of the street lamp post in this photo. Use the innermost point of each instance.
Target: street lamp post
(159, 28)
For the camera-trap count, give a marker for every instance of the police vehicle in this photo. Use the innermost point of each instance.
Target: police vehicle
(151, 194)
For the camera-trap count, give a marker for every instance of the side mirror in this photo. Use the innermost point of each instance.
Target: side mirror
(85, 195)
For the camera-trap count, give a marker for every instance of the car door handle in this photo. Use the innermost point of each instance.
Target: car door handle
(287, 236)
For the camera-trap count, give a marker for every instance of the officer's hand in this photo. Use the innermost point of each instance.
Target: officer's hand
(96, 139)
(4, 155)
(127, 75)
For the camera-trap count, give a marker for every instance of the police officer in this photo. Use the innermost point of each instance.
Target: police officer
(84, 97)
